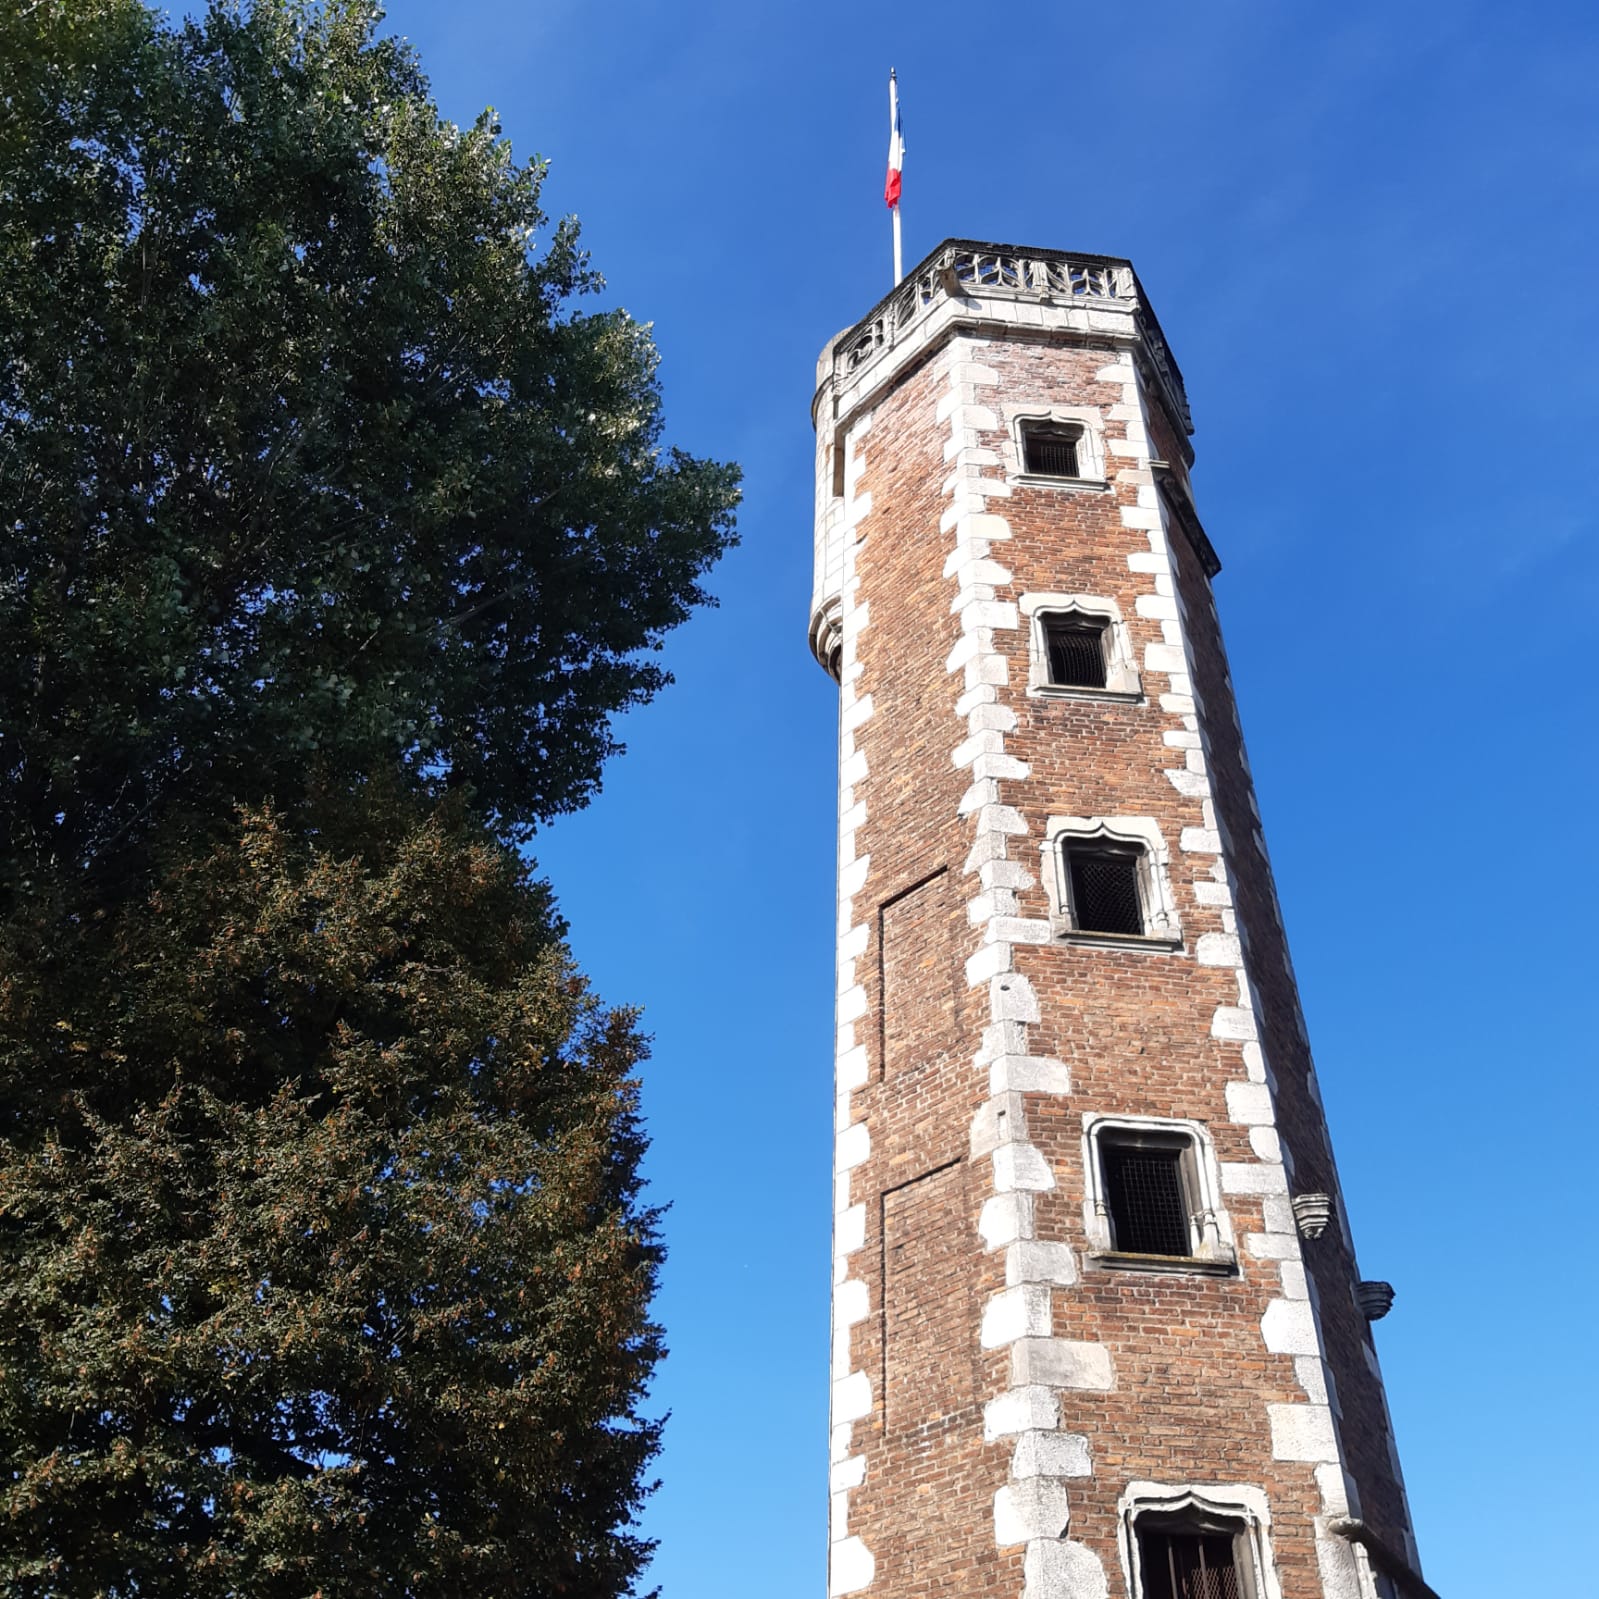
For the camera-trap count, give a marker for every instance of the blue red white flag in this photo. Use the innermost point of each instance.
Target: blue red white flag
(896, 147)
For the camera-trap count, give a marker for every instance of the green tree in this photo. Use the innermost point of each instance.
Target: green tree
(305, 456)
(333, 533)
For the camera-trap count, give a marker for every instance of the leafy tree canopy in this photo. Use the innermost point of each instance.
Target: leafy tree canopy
(333, 534)
(322, 1262)
(306, 457)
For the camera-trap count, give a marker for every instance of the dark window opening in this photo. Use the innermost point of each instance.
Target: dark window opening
(1144, 1195)
(1104, 889)
(1051, 451)
(1189, 1565)
(1076, 653)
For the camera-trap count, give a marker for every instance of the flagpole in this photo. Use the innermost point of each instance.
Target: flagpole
(893, 123)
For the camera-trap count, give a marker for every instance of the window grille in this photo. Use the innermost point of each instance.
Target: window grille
(1144, 1194)
(1189, 1565)
(1076, 653)
(1104, 888)
(1050, 452)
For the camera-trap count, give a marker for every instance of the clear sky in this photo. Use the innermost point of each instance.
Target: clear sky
(1369, 231)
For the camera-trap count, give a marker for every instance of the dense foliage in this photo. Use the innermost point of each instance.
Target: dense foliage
(302, 455)
(332, 535)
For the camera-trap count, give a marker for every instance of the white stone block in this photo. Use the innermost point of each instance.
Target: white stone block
(1051, 1454)
(1061, 1363)
(1020, 1410)
(1000, 767)
(1218, 949)
(1312, 1377)
(852, 1397)
(1289, 1328)
(1191, 785)
(854, 1145)
(984, 907)
(1265, 1143)
(849, 1230)
(1156, 606)
(1246, 1177)
(985, 791)
(1029, 1074)
(1005, 1218)
(1019, 930)
(987, 964)
(847, 1474)
(1001, 819)
(1035, 1508)
(1164, 658)
(1021, 1166)
(852, 876)
(996, 615)
(1011, 998)
(991, 718)
(1249, 1104)
(996, 1121)
(983, 743)
(1200, 841)
(850, 1567)
(1302, 1432)
(1292, 1275)
(850, 1303)
(852, 1004)
(973, 527)
(1037, 1261)
(853, 1068)
(1272, 1246)
(1336, 1491)
(1005, 874)
(1012, 1313)
(1232, 1021)
(1059, 1568)
(968, 647)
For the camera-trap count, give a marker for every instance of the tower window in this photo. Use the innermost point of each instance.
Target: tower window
(1146, 1196)
(1051, 450)
(1189, 1565)
(1076, 652)
(1105, 895)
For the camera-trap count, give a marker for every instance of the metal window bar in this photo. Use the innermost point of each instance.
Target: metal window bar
(1144, 1194)
(1076, 654)
(1050, 452)
(1104, 888)
(1189, 1565)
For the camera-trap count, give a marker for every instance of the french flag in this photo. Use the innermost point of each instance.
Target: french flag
(896, 148)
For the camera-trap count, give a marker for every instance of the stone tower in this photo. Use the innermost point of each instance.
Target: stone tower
(1098, 1327)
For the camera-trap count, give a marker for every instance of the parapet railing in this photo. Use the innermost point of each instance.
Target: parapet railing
(960, 268)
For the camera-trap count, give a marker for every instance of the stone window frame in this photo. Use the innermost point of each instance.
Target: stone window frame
(1121, 670)
(1242, 1505)
(1089, 420)
(1215, 1251)
(1162, 930)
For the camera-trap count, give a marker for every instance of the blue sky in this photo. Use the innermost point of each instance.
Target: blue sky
(1369, 231)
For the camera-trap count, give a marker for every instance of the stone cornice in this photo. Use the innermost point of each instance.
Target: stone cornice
(965, 284)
